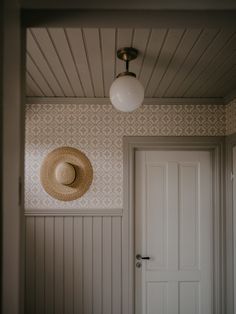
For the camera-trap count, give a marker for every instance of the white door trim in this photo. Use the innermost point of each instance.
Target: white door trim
(215, 145)
(229, 230)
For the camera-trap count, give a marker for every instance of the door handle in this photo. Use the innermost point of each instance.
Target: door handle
(139, 257)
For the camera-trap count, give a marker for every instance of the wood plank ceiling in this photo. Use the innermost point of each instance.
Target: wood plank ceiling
(172, 63)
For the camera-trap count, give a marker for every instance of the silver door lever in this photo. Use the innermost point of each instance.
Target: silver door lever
(139, 257)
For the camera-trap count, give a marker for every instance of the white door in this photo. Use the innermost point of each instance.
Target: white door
(173, 227)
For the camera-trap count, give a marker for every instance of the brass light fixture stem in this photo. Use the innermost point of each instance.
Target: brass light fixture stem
(127, 65)
(127, 54)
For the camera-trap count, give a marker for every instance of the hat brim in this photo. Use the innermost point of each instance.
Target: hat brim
(83, 178)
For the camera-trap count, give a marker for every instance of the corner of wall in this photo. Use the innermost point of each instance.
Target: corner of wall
(230, 113)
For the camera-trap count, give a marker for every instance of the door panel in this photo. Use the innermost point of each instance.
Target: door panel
(157, 297)
(156, 216)
(173, 226)
(189, 297)
(188, 216)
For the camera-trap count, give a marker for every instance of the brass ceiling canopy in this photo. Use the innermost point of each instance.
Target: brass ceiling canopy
(127, 53)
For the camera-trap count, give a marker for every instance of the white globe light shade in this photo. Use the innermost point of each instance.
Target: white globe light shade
(126, 93)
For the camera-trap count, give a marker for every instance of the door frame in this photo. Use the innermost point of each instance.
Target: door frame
(230, 234)
(12, 98)
(215, 145)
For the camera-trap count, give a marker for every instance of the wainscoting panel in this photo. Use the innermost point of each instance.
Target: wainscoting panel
(73, 265)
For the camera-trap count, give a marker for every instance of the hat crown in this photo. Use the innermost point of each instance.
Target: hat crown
(65, 173)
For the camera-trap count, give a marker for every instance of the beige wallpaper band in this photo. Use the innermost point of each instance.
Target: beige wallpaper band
(231, 117)
(98, 130)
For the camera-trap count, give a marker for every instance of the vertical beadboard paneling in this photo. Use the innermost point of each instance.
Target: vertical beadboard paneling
(88, 265)
(97, 265)
(107, 265)
(30, 265)
(49, 265)
(39, 265)
(73, 265)
(68, 265)
(116, 265)
(58, 265)
(78, 265)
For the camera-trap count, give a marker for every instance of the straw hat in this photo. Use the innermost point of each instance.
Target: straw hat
(66, 173)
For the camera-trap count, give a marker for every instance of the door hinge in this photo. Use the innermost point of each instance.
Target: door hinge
(231, 176)
(20, 191)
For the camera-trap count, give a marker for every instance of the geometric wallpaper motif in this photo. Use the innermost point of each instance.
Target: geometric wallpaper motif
(231, 117)
(98, 130)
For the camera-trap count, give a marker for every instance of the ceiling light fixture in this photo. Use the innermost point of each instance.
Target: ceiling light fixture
(126, 92)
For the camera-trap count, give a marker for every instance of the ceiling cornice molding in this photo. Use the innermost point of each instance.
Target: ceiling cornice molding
(130, 18)
(102, 101)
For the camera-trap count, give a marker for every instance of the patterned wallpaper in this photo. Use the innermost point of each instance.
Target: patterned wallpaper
(97, 130)
(231, 117)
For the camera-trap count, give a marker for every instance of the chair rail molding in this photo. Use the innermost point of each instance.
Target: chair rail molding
(74, 212)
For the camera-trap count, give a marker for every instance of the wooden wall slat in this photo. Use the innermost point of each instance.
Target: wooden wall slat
(107, 265)
(30, 265)
(39, 266)
(78, 264)
(88, 265)
(68, 265)
(58, 264)
(49, 265)
(116, 265)
(97, 265)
